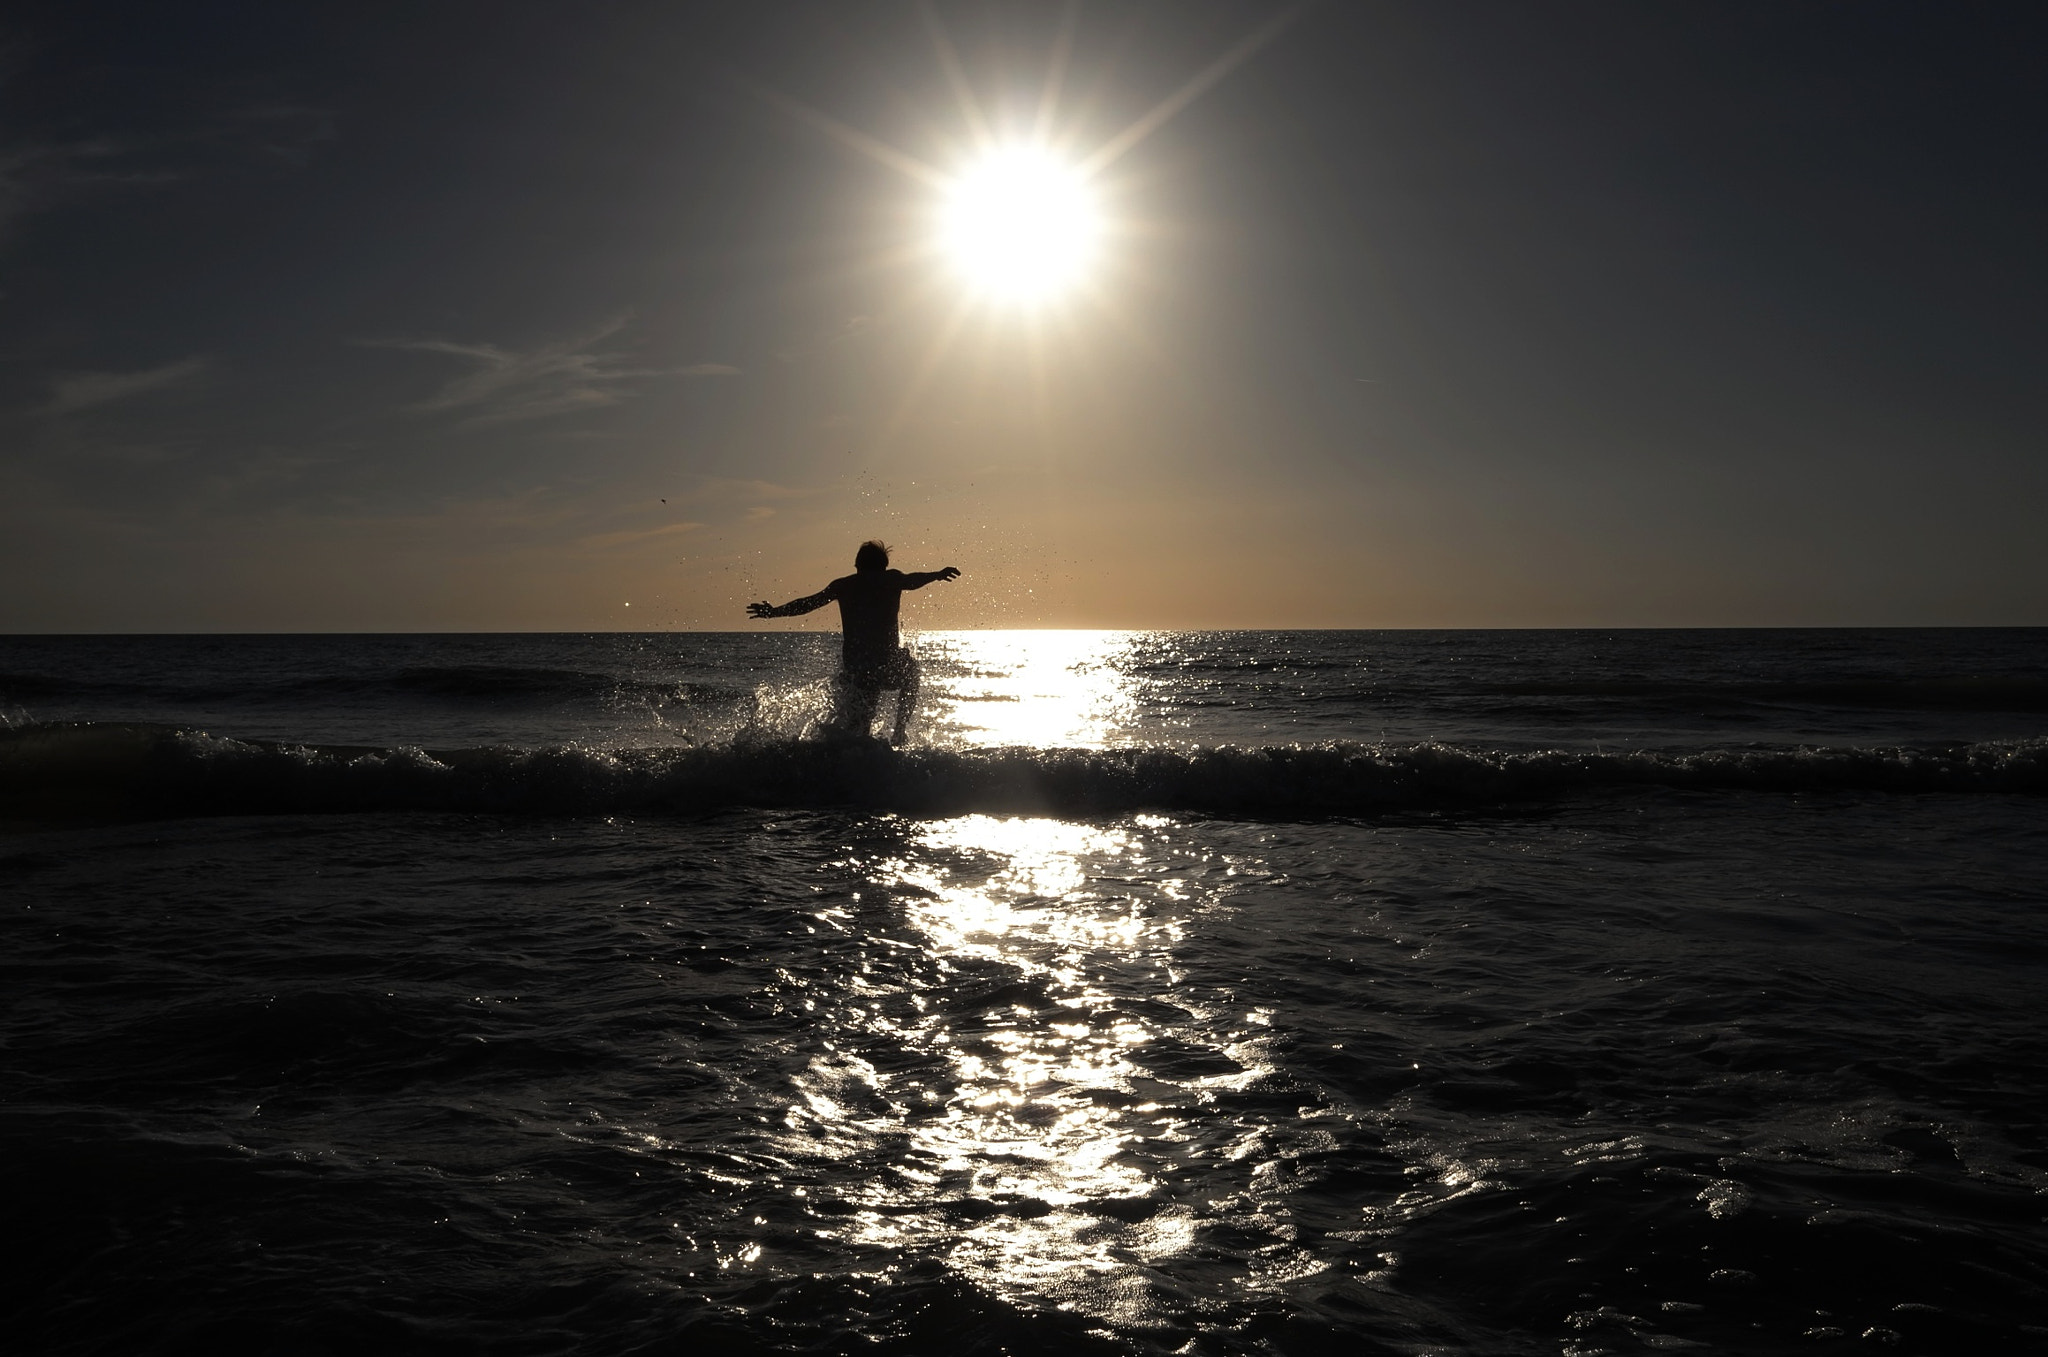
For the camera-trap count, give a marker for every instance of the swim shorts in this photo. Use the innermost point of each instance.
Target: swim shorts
(890, 671)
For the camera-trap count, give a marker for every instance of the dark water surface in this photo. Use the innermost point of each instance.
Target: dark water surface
(1264, 992)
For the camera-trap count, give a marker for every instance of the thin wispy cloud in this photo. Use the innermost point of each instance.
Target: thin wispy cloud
(35, 176)
(84, 390)
(551, 379)
(612, 541)
(41, 175)
(284, 132)
(507, 384)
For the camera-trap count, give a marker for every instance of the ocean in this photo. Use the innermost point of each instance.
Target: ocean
(1245, 992)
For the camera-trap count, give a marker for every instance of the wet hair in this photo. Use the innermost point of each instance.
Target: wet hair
(872, 556)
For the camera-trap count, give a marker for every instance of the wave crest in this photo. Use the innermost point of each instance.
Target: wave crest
(87, 769)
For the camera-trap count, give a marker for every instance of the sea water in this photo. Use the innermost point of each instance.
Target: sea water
(1249, 992)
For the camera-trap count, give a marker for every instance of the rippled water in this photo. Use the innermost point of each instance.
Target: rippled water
(850, 1061)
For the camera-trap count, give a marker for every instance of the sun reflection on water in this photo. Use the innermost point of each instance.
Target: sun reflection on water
(1043, 689)
(1025, 1138)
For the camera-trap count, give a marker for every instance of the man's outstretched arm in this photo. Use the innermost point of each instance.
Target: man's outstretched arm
(794, 608)
(918, 579)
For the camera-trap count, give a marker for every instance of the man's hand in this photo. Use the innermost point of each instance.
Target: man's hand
(951, 572)
(796, 607)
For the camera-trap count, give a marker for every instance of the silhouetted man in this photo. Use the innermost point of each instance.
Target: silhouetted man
(874, 656)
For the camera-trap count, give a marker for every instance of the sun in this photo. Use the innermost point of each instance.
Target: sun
(1020, 225)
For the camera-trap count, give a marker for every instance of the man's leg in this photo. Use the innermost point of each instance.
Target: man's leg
(857, 702)
(907, 681)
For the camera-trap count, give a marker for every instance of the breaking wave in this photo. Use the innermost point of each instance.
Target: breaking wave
(1991, 693)
(1995, 693)
(484, 684)
(117, 769)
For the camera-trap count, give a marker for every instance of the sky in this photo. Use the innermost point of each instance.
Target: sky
(619, 316)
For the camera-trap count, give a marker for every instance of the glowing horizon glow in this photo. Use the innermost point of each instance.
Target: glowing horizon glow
(1020, 225)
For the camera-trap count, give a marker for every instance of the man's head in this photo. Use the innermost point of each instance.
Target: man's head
(872, 556)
